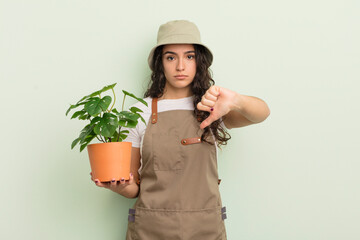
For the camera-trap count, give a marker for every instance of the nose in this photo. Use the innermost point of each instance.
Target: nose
(180, 65)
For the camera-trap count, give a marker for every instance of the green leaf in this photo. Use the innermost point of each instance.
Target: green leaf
(107, 125)
(95, 120)
(79, 114)
(71, 107)
(97, 105)
(123, 136)
(128, 115)
(86, 132)
(128, 119)
(114, 137)
(133, 96)
(135, 110)
(104, 89)
(74, 106)
(115, 111)
(81, 100)
(142, 119)
(108, 87)
(85, 117)
(127, 123)
(86, 136)
(97, 93)
(73, 144)
(87, 141)
(83, 146)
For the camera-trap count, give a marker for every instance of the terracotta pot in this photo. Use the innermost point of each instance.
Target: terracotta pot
(110, 160)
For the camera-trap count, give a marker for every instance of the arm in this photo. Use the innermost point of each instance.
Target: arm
(236, 109)
(128, 189)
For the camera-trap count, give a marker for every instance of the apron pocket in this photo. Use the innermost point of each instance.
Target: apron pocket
(203, 224)
(151, 224)
(167, 152)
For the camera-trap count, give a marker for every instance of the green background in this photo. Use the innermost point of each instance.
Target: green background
(294, 176)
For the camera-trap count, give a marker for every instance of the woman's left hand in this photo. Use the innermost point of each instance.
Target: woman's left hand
(218, 101)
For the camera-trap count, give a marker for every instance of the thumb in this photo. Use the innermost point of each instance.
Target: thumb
(131, 178)
(208, 121)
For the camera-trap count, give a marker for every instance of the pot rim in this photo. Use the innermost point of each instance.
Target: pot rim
(109, 143)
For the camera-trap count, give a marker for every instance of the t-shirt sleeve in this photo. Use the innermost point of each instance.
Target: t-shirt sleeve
(222, 124)
(133, 136)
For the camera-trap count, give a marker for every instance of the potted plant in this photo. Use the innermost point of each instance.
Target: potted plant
(111, 157)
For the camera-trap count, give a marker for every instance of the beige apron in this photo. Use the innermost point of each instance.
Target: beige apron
(179, 195)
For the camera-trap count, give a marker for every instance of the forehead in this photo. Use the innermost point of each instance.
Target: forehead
(178, 48)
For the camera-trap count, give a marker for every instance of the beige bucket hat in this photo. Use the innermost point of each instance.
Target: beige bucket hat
(178, 32)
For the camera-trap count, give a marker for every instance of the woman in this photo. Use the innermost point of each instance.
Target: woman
(174, 161)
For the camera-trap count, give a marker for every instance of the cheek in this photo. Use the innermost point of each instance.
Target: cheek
(193, 69)
(166, 68)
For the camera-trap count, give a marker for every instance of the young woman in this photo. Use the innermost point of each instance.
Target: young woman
(174, 156)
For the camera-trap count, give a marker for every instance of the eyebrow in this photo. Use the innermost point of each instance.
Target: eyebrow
(169, 52)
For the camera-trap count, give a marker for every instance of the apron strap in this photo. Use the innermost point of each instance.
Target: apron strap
(154, 111)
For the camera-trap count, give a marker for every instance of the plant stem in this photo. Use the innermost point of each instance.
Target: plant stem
(122, 108)
(119, 134)
(114, 100)
(99, 139)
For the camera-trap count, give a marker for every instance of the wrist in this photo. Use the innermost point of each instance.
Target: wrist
(130, 191)
(237, 103)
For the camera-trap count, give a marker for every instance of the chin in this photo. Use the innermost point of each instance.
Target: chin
(181, 86)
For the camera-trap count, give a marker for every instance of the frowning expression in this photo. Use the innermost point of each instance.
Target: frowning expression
(179, 65)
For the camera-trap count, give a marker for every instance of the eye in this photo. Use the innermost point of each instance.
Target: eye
(190, 57)
(170, 58)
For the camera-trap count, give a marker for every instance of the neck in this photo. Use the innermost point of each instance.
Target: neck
(176, 93)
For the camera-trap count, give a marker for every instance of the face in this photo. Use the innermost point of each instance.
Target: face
(179, 67)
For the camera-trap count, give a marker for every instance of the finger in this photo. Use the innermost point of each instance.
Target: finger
(122, 181)
(208, 95)
(113, 182)
(208, 121)
(131, 179)
(98, 183)
(214, 90)
(203, 107)
(208, 102)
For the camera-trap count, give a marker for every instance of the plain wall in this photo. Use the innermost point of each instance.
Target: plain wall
(294, 176)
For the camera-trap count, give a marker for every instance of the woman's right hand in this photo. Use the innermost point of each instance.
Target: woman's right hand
(123, 187)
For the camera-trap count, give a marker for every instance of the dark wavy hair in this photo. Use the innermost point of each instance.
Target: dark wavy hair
(201, 83)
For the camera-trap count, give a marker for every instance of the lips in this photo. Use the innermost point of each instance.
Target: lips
(180, 77)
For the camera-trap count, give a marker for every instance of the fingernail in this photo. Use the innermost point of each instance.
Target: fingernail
(212, 109)
(96, 181)
(131, 174)
(122, 179)
(113, 180)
